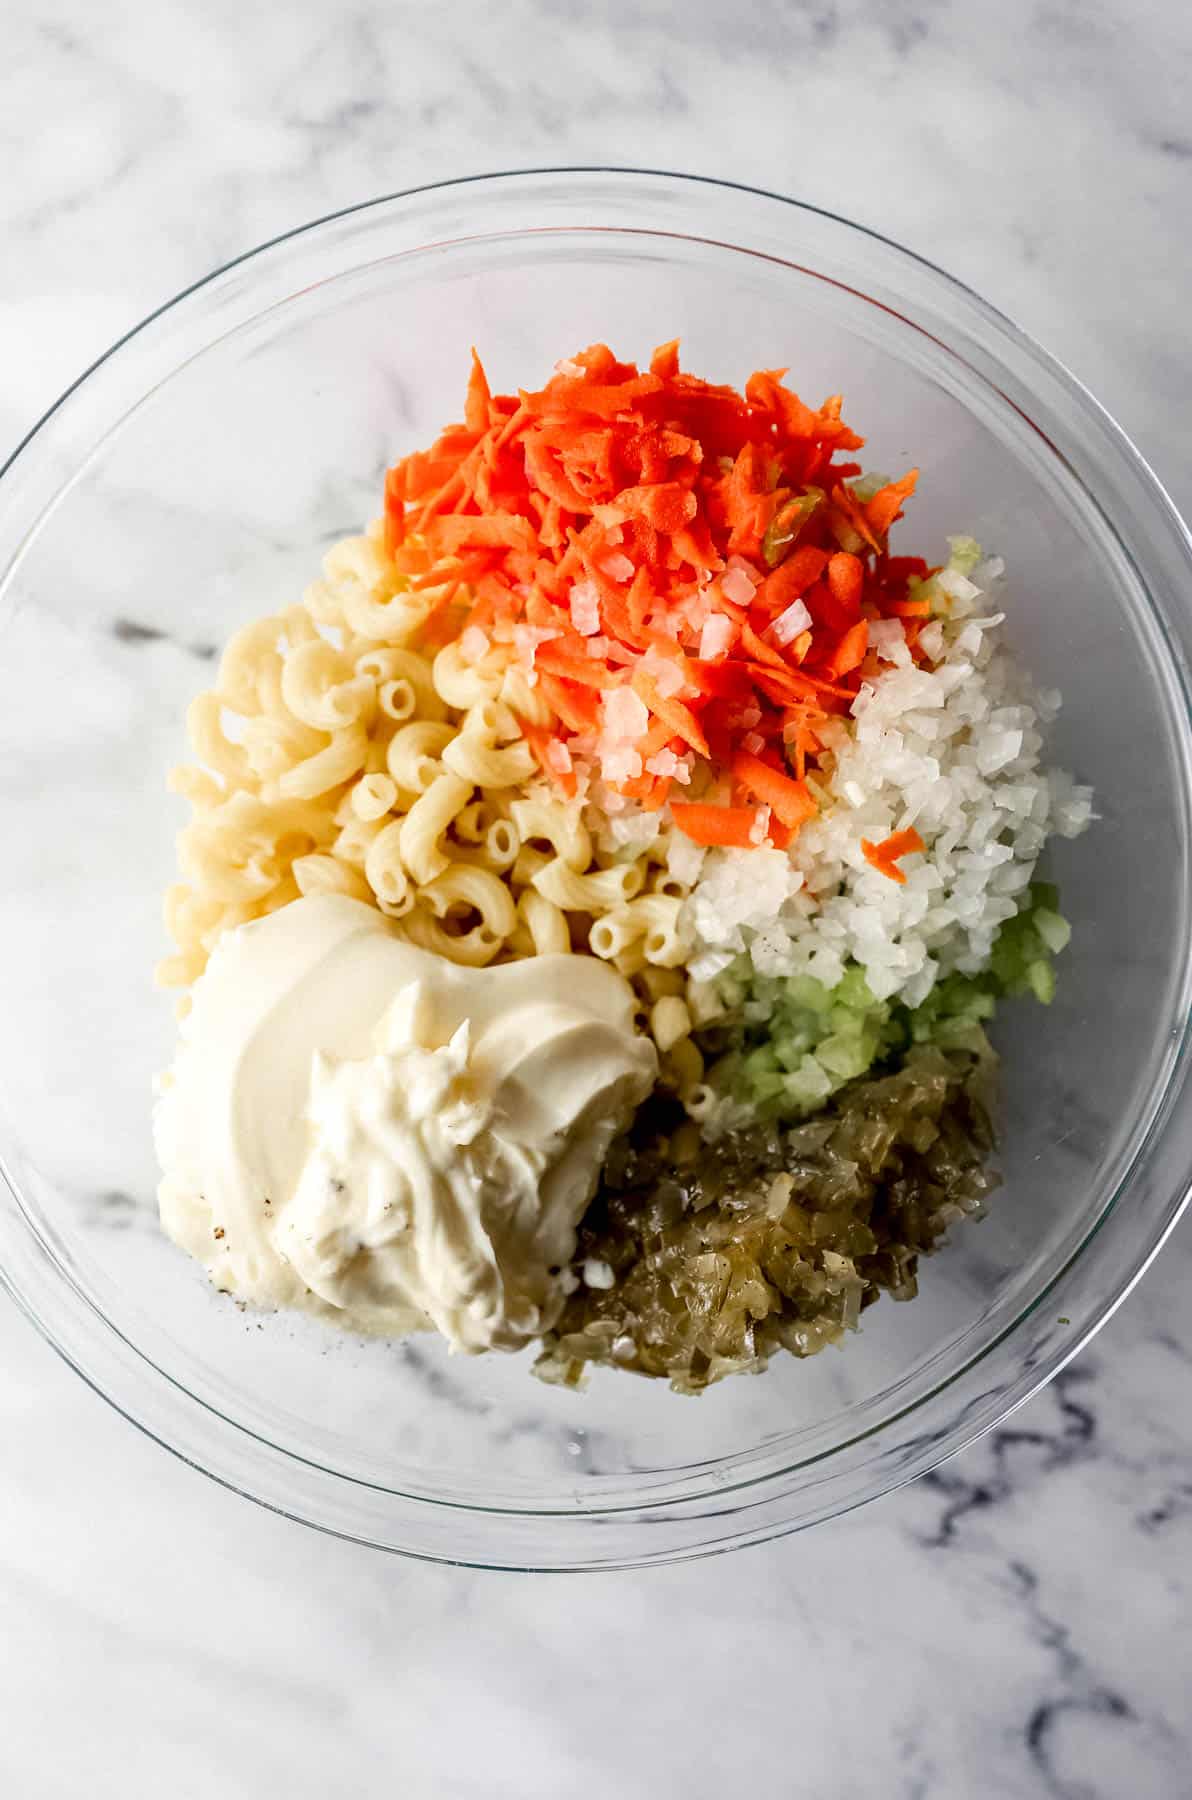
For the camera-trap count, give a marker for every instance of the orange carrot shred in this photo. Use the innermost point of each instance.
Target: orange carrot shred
(884, 507)
(540, 740)
(617, 513)
(793, 576)
(884, 856)
(850, 649)
(788, 799)
(845, 578)
(680, 718)
(731, 826)
(576, 706)
(910, 609)
(584, 671)
(478, 399)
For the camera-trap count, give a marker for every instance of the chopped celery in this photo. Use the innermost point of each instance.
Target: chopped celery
(1053, 928)
(966, 554)
(1041, 981)
(866, 486)
(792, 1042)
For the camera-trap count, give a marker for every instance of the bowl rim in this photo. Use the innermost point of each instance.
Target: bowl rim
(46, 1276)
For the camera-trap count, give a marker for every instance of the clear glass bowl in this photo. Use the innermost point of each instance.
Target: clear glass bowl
(190, 481)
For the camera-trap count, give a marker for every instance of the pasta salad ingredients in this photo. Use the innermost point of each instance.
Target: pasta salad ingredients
(625, 687)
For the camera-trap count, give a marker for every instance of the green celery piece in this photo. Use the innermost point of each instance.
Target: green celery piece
(866, 486)
(843, 1056)
(1041, 981)
(965, 554)
(1053, 928)
(805, 991)
(853, 990)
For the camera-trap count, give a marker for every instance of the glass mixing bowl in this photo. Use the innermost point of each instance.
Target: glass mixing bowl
(190, 482)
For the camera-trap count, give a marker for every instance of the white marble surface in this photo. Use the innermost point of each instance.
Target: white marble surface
(1017, 1625)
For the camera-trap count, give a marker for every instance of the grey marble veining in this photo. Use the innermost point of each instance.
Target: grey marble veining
(1015, 1625)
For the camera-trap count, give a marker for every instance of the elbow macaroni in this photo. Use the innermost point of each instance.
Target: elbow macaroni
(320, 688)
(483, 763)
(478, 890)
(328, 768)
(592, 892)
(462, 684)
(544, 922)
(415, 752)
(427, 820)
(560, 826)
(339, 754)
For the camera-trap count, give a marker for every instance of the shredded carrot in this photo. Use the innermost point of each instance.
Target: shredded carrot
(575, 667)
(612, 516)
(845, 580)
(577, 707)
(730, 826)
(540, 741)
(395, 509)
(884, 856)
(849, 652)
(885, 506)
(792, 578)
(680, 718)
(789, 800)
(758, 649)
(479, 399)
(850, 514)
(911, 609)
(658, 737)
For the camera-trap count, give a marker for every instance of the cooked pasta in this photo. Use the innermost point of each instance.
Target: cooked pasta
(328, 768)
(475, 948)
(592, 892)
(320, 688)
(472, 822)
(353, 843)
(391, 669)
(340, 752)
(320, 874)
(469, 888)
(670, 1022)
(214, 749)
(548, 821)
(544, 922)
(684, 1065)
(483, 763)
(249, 655)
(459, 683)
(524, 700)
(415, 753)
(374, 796)
(386, 871)
(424, 825)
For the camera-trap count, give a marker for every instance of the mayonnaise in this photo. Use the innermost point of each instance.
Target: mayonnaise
(362, 1128)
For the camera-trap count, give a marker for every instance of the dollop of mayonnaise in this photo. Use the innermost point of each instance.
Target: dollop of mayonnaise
(359, 1127)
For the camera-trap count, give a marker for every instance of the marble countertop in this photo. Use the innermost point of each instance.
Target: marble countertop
(1015, 1625)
